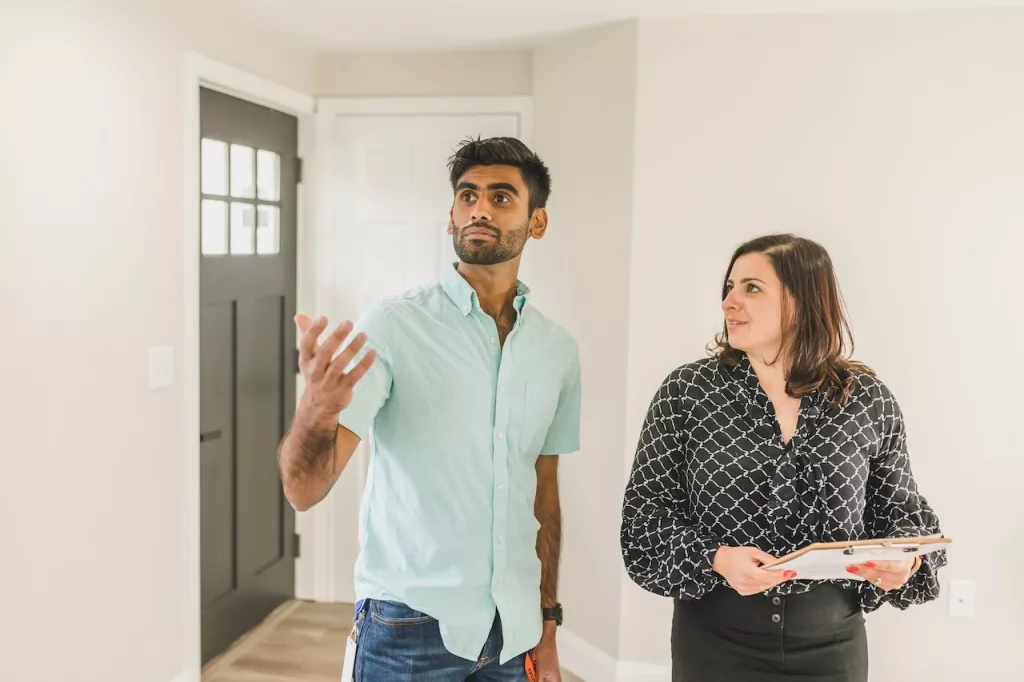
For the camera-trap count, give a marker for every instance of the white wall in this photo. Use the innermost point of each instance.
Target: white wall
(92, 169)
(431, 74)
(896, 141)
(584, 90)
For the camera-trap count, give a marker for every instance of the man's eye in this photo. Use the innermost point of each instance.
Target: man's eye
(502, 198)
(467, 196)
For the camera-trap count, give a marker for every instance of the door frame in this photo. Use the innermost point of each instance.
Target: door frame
(201, 71)
(323, 523)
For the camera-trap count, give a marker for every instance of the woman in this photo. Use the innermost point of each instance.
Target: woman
(777, 441)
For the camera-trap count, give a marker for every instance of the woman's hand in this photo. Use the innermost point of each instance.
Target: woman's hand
(885, 575)
(741, 568)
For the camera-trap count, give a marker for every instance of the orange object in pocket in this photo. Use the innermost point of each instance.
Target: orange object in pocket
(531, 666)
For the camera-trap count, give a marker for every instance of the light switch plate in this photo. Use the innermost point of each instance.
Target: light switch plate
(961, 598)
(161, 367)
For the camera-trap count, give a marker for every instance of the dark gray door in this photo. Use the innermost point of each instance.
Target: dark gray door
(247, 362)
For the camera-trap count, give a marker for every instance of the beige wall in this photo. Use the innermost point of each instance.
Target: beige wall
(895, 140)
(479, 74)
(584, 93)
(92, 172)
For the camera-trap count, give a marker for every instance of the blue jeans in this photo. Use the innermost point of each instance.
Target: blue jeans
(397, 644)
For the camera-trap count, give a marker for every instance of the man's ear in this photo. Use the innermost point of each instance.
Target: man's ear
(451, 221)
(539, 223)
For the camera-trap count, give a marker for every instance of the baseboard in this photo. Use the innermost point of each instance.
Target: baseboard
(186, 676)
(585, 660)
(590, 664)
(644, 672)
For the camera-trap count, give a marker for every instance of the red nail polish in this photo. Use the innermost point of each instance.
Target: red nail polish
(852, 569)
(870, 564)
(790, 574)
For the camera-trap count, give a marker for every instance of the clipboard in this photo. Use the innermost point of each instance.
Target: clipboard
(829, 560)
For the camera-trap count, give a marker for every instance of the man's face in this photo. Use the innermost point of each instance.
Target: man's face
(490, 219)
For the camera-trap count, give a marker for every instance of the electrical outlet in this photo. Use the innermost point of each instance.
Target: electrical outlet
(161, 367)
(961, 599)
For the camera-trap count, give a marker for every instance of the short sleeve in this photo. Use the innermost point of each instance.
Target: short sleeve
(563, 436)
(374, 388)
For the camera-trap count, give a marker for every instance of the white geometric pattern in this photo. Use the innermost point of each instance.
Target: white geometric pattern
(711, 469)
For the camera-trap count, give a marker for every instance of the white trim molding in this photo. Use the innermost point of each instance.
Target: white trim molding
(585, 660)
(420, 106)
(589, 663)
(199, 72)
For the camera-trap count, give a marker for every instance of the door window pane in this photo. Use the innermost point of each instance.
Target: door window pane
(243, 229)
(268, 175)
(243, 172)
(214, 228)
(215, 167)
(268, 231)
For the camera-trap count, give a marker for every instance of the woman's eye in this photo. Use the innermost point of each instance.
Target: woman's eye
(753, 288)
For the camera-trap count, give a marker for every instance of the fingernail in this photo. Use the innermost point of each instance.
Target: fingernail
(870, 564)
(852, 569)
(790, 574)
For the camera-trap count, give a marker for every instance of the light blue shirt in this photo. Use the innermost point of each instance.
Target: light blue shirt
(456, 423)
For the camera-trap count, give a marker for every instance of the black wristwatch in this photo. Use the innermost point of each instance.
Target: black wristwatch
(554, 614)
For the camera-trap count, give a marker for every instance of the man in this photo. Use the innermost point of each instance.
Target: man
(472, 394)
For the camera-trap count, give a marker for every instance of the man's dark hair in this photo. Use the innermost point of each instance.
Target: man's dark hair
(504, 151)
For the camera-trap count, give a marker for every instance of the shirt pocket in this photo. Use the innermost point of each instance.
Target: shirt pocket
(540, 400)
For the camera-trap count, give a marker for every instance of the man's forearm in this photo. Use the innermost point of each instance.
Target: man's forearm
(306, 457)
(549, 543)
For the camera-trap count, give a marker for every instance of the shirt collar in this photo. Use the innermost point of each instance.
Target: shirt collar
(759, 402)
(463, 296)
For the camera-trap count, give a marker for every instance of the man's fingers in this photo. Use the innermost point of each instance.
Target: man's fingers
(345, 357)
(310, 331)
(353, 377)
(325, 354)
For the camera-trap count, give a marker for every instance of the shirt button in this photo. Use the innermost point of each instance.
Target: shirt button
(501, 538)
(465, 308)
(501, 487)
(501, 436)
(776, 601)
(776, 618)
(494, 340)
(501, 388)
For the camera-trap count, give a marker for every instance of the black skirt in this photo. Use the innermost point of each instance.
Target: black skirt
(724, 637)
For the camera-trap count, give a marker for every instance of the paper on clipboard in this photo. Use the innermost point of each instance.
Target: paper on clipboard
(829, 560)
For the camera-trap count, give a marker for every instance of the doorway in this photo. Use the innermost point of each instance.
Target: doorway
(247, 362)
(384, 196)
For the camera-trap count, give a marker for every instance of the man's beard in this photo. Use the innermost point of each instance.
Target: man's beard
(504, 248)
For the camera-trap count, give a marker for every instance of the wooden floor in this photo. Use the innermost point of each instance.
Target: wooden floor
(300, 642)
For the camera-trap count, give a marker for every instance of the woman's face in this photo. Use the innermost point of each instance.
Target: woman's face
(753, 307)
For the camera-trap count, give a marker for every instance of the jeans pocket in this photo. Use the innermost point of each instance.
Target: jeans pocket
(393, 614)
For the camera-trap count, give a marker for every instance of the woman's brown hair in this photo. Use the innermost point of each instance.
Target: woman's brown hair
(818, 340)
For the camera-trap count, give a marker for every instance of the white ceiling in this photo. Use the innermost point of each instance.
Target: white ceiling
(408, 25)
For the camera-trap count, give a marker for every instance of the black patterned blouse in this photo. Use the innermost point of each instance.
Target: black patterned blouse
(711, 469)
